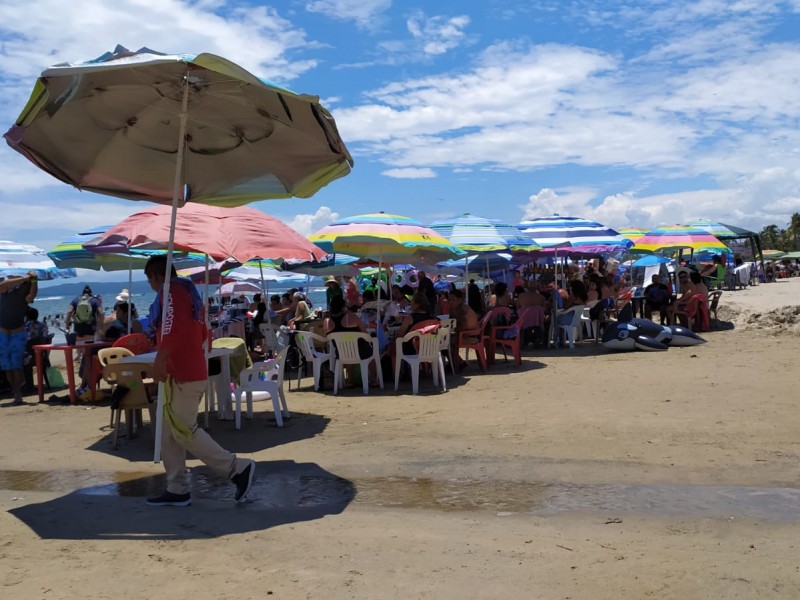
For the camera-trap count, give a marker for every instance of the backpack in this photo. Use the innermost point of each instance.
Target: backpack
(84, 311)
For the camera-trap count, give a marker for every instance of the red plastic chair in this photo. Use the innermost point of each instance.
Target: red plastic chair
(138, 343)
(528, 317)
(477, 339)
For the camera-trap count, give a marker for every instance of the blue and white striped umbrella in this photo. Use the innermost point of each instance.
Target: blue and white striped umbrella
(19, 259)
(472, 234)
(581, 235)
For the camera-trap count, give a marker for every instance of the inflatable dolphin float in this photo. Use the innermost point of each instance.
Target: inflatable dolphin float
(641, 334)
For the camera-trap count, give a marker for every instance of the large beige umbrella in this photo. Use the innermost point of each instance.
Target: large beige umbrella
(174, 129)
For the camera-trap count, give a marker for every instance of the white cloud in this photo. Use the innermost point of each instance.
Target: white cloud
(743, 205)
(438, 34)
(163, 25)
(365, 13)
(410, 173)
(68, 217)
(306, 224)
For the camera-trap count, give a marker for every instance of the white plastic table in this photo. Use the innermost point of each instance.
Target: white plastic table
(223, 383)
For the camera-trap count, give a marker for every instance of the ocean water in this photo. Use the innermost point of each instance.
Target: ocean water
(51, 306)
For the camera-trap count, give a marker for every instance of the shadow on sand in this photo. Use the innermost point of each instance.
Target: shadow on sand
(283, 492)
(260, 433)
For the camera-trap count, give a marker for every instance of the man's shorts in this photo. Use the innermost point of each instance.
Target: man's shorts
(12, 350)
(84, 330)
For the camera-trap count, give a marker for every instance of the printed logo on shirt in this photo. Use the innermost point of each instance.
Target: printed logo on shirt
(170, 316)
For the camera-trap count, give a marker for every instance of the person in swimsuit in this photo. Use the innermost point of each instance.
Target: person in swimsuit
(341, 319)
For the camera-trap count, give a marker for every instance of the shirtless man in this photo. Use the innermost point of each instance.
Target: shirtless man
(531, 297)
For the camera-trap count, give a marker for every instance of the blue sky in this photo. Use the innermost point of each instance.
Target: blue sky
(634, 113)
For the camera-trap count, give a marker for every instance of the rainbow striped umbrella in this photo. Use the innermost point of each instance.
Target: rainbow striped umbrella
(71, 254)
(480, 234)
(678, 236)
(389, 239)
(583, 236)
(632, 233)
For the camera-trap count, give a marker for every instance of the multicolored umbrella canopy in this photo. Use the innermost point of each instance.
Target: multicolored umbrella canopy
(481, 234)
(768, 254)
(256, 275)
(720, 231)
(581, 235)
(389, 239)
(678, 236)
(19, 259)
(334, 264)
(480, 263)
(632, 233)
(71, 254)
(237, 287)
(114, 125)
(239, 233)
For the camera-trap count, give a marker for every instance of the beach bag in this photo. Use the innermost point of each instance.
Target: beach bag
(54, 377)
(84, 310)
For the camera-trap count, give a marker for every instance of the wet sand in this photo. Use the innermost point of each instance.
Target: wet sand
(583, 474)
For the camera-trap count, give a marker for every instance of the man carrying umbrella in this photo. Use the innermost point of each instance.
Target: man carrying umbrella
(15, 295)
(181, 364)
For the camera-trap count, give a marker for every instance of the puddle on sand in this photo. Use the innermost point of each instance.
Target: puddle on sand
(292, 490)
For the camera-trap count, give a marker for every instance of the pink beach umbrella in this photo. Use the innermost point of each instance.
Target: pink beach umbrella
(240, 233)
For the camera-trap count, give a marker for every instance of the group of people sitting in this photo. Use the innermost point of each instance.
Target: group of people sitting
(290, 308)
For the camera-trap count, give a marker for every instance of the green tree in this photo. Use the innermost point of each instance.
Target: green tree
(794, 227)
(770, 237)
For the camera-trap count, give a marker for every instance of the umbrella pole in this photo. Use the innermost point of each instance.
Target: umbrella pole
(207, 322)
(176, 196)
(261, 272)
(130, 289)
(378, 317)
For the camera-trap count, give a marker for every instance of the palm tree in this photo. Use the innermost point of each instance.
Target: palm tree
(794, 228)
(770, 236)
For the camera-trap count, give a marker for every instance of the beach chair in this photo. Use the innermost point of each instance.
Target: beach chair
(271, 342)
(717, 280)
(572, 326)
(130, 395)
(511, 336)
(137, 343)
(263, 376)
(445, 334)
(346, 344)
(713, 305)
(477, 339)
(309, 344)
(428, 351)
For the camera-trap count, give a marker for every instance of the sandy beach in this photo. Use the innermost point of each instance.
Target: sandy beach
(581, 475)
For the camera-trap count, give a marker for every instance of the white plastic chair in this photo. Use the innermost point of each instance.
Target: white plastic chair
(250, 381)
(587, 324)
(428, 352)
(572, 329)
(445, 330)
(310, 351)
(272, 342)
(346, 344)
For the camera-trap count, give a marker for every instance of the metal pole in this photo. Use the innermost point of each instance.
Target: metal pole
(130, 289)
(177, 195)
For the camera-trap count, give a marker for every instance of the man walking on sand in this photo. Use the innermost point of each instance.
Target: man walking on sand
(181, 364)
(16, 293)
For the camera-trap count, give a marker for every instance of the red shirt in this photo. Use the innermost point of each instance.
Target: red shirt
(184, 337)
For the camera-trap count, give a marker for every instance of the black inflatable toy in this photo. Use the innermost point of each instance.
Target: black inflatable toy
(641, 334)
